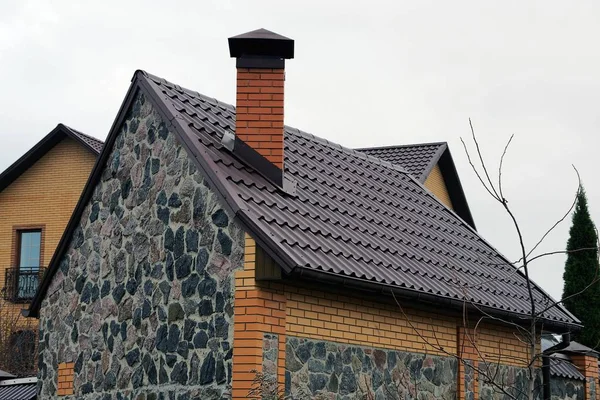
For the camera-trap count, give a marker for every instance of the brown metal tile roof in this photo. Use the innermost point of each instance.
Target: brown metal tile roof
(91, 142)
(418, 159)
(562, 366)
(354, 217)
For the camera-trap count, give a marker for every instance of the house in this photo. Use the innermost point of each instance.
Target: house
(212, 241)
(38, 194)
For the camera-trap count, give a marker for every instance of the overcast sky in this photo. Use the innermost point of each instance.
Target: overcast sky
(365, 74)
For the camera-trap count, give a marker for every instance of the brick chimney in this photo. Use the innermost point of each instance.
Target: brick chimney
(260, 63)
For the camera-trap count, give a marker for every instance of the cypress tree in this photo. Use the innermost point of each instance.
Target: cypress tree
(581, 269)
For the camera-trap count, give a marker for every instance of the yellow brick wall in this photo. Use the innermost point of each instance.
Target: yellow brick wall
(343, 317)
(435, 183)
(340, 318)
(45, 194)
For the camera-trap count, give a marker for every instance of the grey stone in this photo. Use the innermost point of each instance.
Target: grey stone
(175, 312)
(174, 201)
(207, 287)
(170, 267)
(141, 246)
(220, 218)
(188, 329)
(161, 199)
(207, 371)
(173, 339)
(220, 374)
(169, 239)
(133, 357)
(137, 380)
(191, 240)
(188, 286)
(202, 260)
(180, 373)
(225, 242)
(179, 244)
(165, 288)
(317, 382)
(206, 308)
(118, 293)
(200, 340)
(163, 214)
(183, 266)
(146, 309)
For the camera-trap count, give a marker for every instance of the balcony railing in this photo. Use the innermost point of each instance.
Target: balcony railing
(20, 284)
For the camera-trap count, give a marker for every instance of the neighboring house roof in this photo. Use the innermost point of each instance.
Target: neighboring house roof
(42, 147)
(354, 219)
(419, 160)
(6, 375)
(18, 389)
(578, 348)
(561, 365)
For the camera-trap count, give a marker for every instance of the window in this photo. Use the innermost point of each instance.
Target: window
(24, 275)
(29, 255)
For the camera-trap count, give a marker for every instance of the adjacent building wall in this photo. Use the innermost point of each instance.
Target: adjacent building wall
(435, 183)
(44, 197)
(142, 305)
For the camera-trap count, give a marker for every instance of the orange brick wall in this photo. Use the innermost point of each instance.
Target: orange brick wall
(588, 365)
(286, 309)
(259, 113)
(45, 195)
(66, 373)
(435, 183)
(257, 310)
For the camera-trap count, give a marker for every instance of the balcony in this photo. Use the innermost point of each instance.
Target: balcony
(20, 284)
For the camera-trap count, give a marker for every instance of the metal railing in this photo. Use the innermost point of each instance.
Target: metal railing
(20, 284)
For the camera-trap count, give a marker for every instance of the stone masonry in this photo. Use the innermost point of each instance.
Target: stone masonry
(143, 301)
(328, 370)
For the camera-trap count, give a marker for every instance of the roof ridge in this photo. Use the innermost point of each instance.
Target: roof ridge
(288, 129)
(401, 146)
(78, 132)
(346, 150)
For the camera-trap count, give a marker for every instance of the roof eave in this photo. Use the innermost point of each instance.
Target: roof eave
(457, 304)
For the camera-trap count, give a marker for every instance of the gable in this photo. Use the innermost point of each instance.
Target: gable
(64, 166)
(435, 183)
(30, 158)
(146, 266)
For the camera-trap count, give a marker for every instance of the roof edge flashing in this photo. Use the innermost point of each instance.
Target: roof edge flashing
(250, 157)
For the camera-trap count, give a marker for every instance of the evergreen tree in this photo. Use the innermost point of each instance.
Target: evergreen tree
(581, 269)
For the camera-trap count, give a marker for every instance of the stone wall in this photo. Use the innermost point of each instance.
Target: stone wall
(507, 378)
(566, 389)
(143, 300)
(338, 371)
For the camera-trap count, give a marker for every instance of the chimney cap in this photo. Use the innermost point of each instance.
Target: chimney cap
(261, 42)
